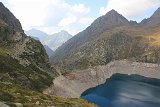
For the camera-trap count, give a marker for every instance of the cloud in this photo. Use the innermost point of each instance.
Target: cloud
(67, 21)
(80, 8)
(49, 15)
(86, 20)
(61, 11)
(29, 13)
(130, 8)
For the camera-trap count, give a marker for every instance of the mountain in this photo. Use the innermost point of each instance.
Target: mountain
(153, 20)
(25, 70)
(36, 34)
(106, 22)
(23, 59)
(49, 51)
(57, 39)
(111, 37)
(9, 19)
(50, 42)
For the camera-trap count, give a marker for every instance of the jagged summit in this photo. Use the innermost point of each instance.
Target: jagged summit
(111, 18)
(1, 4)
(112, 11)
(63, 31)
(156, 13)
(8, 18)
(116, 18)
(57, 39)
(153, 20)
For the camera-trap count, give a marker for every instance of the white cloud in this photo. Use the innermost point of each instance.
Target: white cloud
(73, 14)
(86, 20)
(49, 15)
(67, 21)
(29, 12)
(80, 8)
(130, 8)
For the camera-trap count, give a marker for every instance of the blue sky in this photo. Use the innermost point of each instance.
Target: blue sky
(52, 16)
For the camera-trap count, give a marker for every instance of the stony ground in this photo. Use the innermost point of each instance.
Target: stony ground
(73, 84)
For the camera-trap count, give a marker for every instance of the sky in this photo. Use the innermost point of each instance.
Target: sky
(52, 16)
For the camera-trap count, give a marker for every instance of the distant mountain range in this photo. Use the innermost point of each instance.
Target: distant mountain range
(51, 41)
(111, 37)
(57, 39)
(36, 34)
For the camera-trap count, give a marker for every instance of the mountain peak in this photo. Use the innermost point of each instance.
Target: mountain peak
(114, 18)
(110, 19)
(156, 13)
(1, 4)
(153, 20)
(63, 31)
(113, 12)
(8, 18)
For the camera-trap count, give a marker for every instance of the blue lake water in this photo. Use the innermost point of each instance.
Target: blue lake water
(125, 91)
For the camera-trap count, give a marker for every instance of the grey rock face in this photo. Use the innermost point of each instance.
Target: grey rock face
(9, 18)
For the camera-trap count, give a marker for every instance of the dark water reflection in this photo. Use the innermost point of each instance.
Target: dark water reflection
(125, 91)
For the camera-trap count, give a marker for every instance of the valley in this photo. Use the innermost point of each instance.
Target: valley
(114, 62)
(25, 69)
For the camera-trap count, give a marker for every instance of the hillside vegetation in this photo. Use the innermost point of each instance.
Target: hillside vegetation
(25, 70)
(111, 37)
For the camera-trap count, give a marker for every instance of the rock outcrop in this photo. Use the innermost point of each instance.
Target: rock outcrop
(3, 105)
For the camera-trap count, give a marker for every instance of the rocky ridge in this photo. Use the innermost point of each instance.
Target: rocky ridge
(110, 37)
(9, 19)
